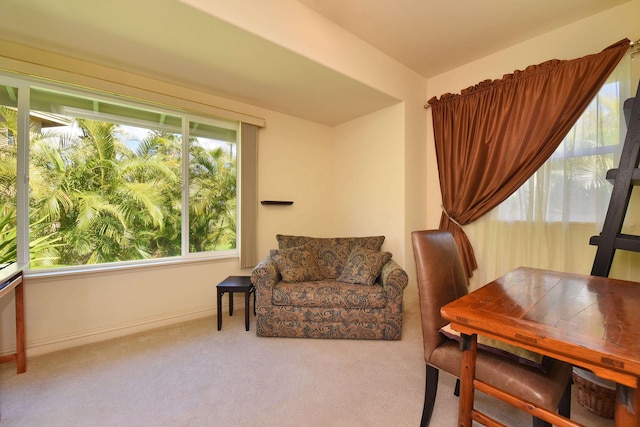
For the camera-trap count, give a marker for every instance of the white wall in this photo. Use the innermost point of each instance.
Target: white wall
(368, 168)
(72, 310)
(295, 163)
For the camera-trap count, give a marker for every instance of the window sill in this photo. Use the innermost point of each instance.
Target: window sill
(117, 268)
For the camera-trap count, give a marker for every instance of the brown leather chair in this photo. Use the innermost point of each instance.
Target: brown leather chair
(441, 279)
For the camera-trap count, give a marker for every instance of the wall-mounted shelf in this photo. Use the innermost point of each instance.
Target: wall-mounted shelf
(276, 202)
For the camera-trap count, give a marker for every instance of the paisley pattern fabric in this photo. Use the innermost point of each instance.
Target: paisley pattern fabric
(298, 264)
(328, 293)
(363, 266)
(328, 308)
(291, 322)
(333, 252)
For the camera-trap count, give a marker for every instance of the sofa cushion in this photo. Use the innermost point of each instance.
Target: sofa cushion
(333, 252)
(328, 293)
(363, 266)
(298, 264)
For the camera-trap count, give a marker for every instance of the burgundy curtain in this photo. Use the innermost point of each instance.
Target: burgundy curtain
(493, 136)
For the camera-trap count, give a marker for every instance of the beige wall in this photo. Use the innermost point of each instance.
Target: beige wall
(344, 180)
(369, 177)
(295, 163)
(581, 38)
(372, 175)
(297, 28)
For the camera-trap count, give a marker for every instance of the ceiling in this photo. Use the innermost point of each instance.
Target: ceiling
(434, 36)
(171, 41)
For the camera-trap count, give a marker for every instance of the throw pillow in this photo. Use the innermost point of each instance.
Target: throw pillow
(363, 266)
(333, 252)
(368, 242)
(298, 264)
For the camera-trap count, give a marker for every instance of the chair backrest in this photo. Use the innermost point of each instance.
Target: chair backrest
(441, 279)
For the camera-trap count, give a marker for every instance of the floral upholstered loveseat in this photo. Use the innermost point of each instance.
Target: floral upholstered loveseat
(343, 287)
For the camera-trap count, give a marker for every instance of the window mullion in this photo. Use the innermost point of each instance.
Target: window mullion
(22, 175)
(185, 186)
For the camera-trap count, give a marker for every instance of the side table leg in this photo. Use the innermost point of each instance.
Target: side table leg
(230, 303)
(21, 353)
(220, 310)
(247, 307)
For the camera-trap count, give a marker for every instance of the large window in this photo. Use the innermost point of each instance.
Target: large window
(571, 185)
(114, 181)
(548, 222)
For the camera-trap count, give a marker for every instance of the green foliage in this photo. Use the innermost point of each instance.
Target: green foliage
(95, 200)
(212, 204)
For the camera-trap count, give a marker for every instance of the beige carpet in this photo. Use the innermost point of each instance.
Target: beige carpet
(193, 375)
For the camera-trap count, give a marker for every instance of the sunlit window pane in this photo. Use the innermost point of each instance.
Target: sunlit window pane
(8, 163)
(112, 180)
(105, 182)
(571, 186)
(212, 188)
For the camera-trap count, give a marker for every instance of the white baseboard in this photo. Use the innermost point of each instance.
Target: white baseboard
(62, 342)
(410, 302)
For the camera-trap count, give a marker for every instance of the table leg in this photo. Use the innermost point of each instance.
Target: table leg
(468, 345)
(21, 358)
(220, 310)
(247, 307)
(627, 406)
(230, 303)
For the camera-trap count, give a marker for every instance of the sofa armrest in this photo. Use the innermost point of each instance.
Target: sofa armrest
(264, 276)
(393, 279)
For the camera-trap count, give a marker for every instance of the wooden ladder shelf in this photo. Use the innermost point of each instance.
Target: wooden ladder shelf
(624, 179)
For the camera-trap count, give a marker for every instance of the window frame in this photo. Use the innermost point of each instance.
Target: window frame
(24, 85)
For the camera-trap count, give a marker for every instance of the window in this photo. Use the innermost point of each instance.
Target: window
(571, 185)
(109, 180)
(8, 171)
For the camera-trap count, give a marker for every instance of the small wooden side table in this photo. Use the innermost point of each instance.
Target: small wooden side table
(11, 279)
(236, 284)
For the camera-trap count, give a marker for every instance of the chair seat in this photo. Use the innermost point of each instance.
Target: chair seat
(525, 382)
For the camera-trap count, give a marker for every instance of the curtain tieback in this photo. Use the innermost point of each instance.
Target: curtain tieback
(449, 216)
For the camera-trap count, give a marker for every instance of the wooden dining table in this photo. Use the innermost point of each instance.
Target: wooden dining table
(588, 321)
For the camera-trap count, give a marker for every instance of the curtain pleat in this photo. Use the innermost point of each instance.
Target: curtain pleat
(493, 136)
(248, 195)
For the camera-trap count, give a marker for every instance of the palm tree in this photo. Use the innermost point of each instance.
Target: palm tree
(94, 200)
(115, 200)
(212, 200)
(42, 245)
(157, 161)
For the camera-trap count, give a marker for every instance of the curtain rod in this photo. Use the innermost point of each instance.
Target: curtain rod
(633, 51)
